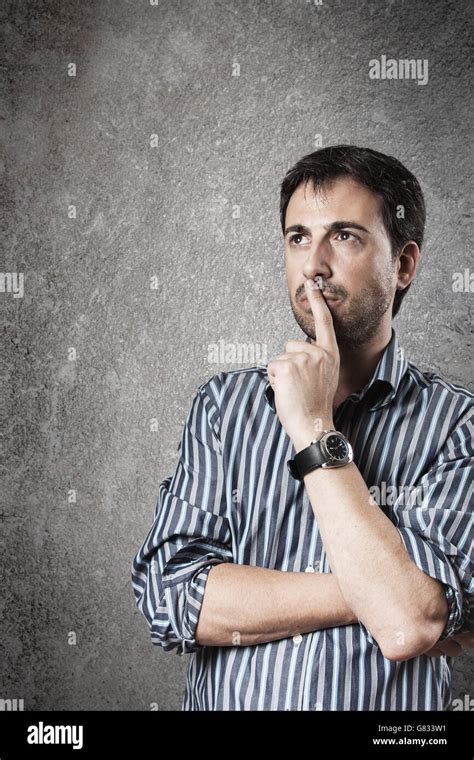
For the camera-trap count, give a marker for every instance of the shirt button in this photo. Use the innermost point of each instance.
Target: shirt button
(298, 638)
(309, 569)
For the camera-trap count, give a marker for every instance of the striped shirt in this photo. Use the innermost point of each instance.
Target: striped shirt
(232, 499)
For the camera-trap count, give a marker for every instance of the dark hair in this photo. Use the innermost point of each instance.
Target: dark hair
(383, 175)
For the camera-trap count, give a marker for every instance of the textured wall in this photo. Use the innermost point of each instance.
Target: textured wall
(96, 349)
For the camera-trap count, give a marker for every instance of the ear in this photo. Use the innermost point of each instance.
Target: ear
(407, 262)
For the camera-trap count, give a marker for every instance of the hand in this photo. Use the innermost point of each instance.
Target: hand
(454, 645)
(305, 378)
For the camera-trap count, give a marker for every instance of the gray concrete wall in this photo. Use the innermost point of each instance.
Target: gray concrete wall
(92, 353)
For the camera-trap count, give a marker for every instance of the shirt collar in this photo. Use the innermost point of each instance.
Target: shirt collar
(384, 383)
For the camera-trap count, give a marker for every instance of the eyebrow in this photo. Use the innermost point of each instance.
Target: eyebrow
(301, 229)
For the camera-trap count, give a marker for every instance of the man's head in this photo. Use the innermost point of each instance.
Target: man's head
(356, 218)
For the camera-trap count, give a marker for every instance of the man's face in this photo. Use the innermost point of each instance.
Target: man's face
(339, 235)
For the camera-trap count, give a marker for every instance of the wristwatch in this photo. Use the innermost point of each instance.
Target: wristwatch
(332, 449)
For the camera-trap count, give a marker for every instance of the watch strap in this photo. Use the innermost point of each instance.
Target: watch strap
(306, 460)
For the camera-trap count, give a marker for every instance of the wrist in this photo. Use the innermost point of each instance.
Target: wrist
(303, 437)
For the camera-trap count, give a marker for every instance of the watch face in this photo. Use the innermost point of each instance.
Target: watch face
(336, 447)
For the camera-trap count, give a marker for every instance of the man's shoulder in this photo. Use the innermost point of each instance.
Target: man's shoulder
(434, 381)
(434, 387)
(242, 383)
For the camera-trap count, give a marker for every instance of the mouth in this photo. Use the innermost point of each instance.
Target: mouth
(328, 298)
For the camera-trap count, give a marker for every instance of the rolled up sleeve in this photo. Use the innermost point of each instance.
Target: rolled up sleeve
(189, 535)
(435, 522)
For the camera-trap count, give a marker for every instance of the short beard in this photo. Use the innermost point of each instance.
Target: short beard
(361, 320)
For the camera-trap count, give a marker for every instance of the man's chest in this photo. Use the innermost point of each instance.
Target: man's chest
(271, 519)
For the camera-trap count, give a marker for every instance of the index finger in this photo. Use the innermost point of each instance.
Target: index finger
(323, 324)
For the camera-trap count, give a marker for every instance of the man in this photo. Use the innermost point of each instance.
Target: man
(271, 560)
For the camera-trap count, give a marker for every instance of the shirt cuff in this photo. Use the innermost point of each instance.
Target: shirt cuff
(184, 582)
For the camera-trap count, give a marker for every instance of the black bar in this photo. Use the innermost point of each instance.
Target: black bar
(215, 734)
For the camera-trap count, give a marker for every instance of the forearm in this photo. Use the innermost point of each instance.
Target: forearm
(403, 608)
(245, 605)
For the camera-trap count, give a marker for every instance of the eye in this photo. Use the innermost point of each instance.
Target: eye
(293, 238)
(344, 236)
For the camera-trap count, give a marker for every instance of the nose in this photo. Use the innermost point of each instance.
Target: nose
(317, 262)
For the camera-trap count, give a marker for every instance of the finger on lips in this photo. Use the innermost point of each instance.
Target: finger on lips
(324, 327)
